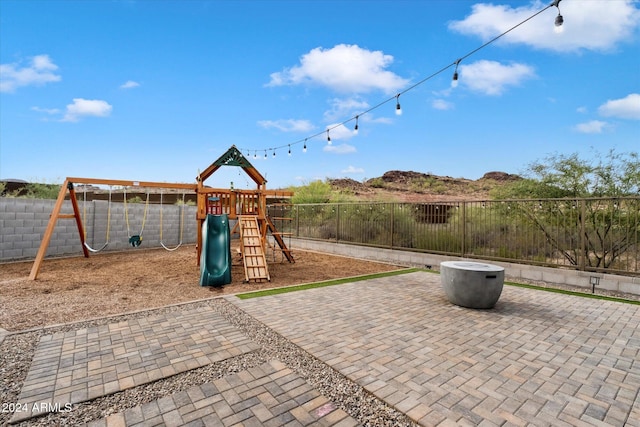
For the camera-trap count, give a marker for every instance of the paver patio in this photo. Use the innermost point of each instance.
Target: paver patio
(537, 358)
(267, 395)
(81, 365)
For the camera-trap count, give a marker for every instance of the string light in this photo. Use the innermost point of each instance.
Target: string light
(274, 153)
(289, 150)
(255, 154)
(265, 154)
(454, 82)
(559, 20)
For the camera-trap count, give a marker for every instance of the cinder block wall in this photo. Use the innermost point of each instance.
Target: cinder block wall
(23, 222)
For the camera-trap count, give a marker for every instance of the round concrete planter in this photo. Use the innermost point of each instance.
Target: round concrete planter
(472, 284)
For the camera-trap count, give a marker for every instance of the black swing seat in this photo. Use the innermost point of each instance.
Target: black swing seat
(135, 241)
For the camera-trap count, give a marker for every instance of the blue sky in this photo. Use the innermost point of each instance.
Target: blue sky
(157, 90)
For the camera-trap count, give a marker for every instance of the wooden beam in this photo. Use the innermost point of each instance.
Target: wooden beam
(46, 238)
(131, 183)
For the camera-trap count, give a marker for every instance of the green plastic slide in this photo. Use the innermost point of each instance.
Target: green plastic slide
(215, 258)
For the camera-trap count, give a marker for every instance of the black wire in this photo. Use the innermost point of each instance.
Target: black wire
(395, 97)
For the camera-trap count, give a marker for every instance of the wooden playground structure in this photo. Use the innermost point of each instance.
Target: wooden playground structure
(248, 207)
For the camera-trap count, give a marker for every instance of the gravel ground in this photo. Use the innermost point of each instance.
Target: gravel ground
(17, 351)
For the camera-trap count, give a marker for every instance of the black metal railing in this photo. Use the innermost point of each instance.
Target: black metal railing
(594, 234)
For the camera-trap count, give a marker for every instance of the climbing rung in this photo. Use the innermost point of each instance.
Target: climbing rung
(255, 263)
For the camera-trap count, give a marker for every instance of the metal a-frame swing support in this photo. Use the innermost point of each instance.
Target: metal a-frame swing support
(67, 188)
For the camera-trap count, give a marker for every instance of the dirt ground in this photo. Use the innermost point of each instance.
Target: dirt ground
(72, 289)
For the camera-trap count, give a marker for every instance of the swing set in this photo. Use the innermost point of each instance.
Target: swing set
(67, 191)
(248, 207)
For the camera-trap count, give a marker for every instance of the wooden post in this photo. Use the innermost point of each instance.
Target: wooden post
(76, 215)
(46, 238)
(201, 214)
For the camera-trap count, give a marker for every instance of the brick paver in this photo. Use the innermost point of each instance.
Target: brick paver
(537, 358)
(268, 395)
(72, 367)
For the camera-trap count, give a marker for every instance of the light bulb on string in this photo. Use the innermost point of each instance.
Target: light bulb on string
(559, 19)
(265, 154)
(274, 153)
(328, 137)
(355, 128)
(289, 150)
(398, 108)
(304, 148)
(255, 154)
(454, 81)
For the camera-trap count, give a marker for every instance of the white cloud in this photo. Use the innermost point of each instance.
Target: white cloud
(289, 125)
(352, 170)
(129, 84)
(594, 126)
(337, 132)
(46, 110)
(492, 78)
(339, 149)
(341, 108)
(624, 108)
(86, 107)
(591, 25)
(343, 68)
(441, 104)
(40, 71)
(582, 110)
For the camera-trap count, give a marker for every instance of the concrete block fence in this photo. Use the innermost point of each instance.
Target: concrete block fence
(24, 221)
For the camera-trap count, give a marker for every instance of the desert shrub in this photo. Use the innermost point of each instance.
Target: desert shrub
(377, 183)
(439, 240)
(135, 199)
(40, 191)
(319, 192)
(427, 183)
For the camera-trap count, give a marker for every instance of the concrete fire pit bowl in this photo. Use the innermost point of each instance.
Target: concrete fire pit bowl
(471, 284)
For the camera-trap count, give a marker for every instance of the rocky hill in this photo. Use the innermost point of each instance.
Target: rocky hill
(409, 186)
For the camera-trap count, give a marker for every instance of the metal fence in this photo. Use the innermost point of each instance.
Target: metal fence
(595, 234)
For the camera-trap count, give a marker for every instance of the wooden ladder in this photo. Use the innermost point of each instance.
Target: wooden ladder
(253, 257)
